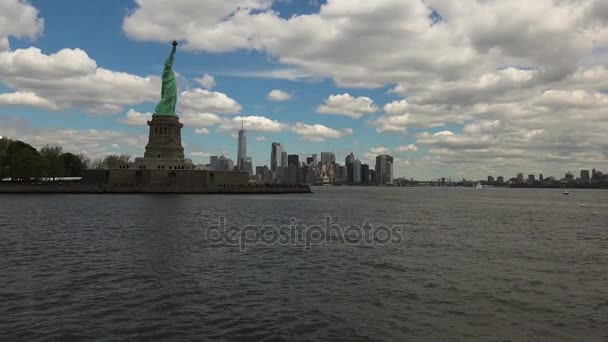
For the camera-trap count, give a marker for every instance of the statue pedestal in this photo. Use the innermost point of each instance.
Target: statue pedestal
(165, 138)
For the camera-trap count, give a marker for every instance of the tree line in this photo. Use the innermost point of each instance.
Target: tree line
(20, 161)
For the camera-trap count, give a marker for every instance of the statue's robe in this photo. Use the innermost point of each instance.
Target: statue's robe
(166, 106)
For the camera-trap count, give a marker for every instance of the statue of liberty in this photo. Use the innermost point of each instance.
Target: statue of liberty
(168, 94)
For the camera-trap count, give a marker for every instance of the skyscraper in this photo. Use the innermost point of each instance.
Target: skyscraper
(327, 159)
(275, 156)
(293, 160)
(349, 163)
(357, 172)
(365, 174)
(384, 169)
(242, 149)
(283, 159)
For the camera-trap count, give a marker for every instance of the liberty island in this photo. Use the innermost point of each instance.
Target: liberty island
(164, 167)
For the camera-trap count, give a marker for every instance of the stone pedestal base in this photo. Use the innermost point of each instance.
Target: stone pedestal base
(165, 138)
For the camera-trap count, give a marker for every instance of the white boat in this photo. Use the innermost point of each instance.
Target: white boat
(478, 186)
(566, 192)
(583, 205)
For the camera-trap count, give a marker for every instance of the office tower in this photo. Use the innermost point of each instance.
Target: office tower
(242, 149)
(275, 156)
(293, 160)
(365, 174)
(384, 169)
(357, 171)
(214, 163)
(262, 174)
(349, 164)
(520, 178)
(284, 159)
(327, 159)
(340, 173)
(247, 166)
(349, 158)
(585, 175)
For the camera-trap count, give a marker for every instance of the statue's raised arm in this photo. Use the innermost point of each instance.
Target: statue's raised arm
(168, 93)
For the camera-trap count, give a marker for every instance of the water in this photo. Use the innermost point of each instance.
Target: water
(495, 264)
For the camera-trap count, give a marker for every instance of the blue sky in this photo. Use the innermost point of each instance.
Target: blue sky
(413, 78)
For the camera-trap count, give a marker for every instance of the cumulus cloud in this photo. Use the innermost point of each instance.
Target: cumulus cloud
(318, 133)
(4, 45)
(200, 119)
(199, 100)
(200, 154)
(19, 19)
(261, 138)
(201, 131)
(277, 95)
(347, 105)
(26, 99)
(69, 78)
(207, 81)
(407, 148)
(251, 123)
(135, 118)
(402, 42)
(92, 142)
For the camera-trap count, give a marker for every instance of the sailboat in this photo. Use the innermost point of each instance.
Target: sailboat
(478, 186)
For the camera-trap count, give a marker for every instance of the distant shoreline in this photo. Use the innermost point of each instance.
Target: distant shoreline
(146, 189)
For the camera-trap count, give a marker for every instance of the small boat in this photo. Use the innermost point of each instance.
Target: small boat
(583, 205)
(566, 192)
(478, 186)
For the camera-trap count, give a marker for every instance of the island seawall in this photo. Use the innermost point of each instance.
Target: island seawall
(78, 188)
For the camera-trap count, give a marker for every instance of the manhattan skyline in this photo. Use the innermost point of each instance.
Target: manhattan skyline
(442, 93)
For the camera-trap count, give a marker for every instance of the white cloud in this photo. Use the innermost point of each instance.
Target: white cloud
(92, 142)
(380, 150)
(407, 148)
(19, 19)
(4, 44)
(26, 99)
(251, 123)
(201, 131)
(204, 101)
(277, 95)
(71, 79)
(487, 127)
(363, 43)
(207, 81)
(200, 119)
(318, 133)
(347, 105)
(283, 74)
(200, 154)
(261, 138)
(135, 118)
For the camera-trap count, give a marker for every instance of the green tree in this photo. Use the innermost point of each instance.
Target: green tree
(73, 164)
(113, 160)
(4, 170)
(23, 162)
(54, 165)
(96, 164)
